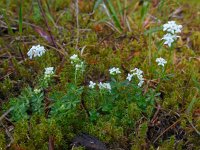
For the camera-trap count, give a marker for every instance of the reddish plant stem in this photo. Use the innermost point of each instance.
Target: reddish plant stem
(48, 27)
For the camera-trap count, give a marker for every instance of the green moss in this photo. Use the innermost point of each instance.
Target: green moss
(36, 133)
(195, 40)
(121, 119)
(21, 133)
(6, 86)
(2, 141)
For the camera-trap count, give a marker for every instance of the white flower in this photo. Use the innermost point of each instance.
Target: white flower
(92, 85)
(129, 77)
(36, 51)
(37, 91)
(161, 61)
(48, 72)
(169, 39)
(104, 86)
(100, 85)
(114, 71)
(172, 27)
(136, 72)
(74, 57)
(140, 77)
(140, 83)
(80, 66)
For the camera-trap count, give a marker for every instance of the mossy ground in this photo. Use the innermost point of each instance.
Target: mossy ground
(174, 120)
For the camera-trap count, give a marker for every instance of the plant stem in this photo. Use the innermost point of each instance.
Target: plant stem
(77, 23)
(75, 78)
(170, 55)
(47, 25)
(149, 52)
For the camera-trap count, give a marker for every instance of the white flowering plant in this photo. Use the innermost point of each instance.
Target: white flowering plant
(114, 71)
(161, 61)
(172, 27)
(108, 93)
(36, 51)
(160, 71)
(172, 30)
(65, 103)
(29, 101)
(78, 65)
(97, 96)
(46, 78)
(71, 71)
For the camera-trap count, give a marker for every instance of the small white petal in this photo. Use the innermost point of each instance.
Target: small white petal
(114, 71)
(129, 77)
(172, 27)
(104, 86)
(161, 61)
(49, 71)
(169, 39)
(74, 57)
(36, 51)
(92, 85)
(140, 83)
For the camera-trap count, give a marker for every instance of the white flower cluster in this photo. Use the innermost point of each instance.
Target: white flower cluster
(101, 85)
(79, 65)
(92, 85)
(136, 72)
(37, 91)
(104, 86)
(161, 61)
(36, 51)
(74, 59)
(169, 39)
(114, 71)
(49, 71)
(172, 28)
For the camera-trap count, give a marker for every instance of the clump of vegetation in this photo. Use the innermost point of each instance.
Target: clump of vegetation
(124, 72)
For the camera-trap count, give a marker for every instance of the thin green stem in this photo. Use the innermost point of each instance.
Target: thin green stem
(101, 95)
(149, 49)
(170, 55)
(75, 76)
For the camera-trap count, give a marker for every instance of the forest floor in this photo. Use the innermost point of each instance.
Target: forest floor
(99, 74)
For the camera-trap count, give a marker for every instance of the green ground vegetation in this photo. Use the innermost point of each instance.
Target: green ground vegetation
(41, 112)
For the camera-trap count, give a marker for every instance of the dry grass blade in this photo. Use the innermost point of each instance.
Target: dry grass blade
(5, 114)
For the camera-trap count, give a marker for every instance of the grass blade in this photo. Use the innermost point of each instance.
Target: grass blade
(97, 3)
(153, 30)
(10, 31)
(20, 18)
(114, 15)
(120, 7)
(144, 10)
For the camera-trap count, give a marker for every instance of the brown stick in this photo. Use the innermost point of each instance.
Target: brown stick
(77, 22)
(51, 143)
(156, 113)
(166, 130)
(5, 114)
